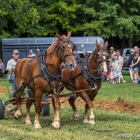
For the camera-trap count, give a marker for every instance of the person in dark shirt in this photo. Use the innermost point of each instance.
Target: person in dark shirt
(132, 52)
(76, 56)
(135, 67)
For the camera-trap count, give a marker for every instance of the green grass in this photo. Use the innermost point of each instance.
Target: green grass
(2, 82)
(127, 90)
(110, 125)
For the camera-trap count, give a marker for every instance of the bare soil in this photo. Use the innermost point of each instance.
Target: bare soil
(120, 105)
(3, 90)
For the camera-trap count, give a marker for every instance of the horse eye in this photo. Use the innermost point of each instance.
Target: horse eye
(69, 46)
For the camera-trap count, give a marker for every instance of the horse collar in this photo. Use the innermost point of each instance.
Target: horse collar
(85, 72)
(47, 76)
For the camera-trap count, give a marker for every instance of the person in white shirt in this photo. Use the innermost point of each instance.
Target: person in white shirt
(11, 67)
(1, 68)
(121, 64)
(31, 54)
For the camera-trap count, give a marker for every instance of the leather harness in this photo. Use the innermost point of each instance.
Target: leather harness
(44, 71)
(86, 72)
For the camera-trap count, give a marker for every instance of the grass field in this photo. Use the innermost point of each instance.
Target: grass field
(110, 125)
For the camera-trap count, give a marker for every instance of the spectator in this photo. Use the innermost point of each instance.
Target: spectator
(136, 49)
(112, 54)
(135, 67)
(31, 54)
(130, 62)
(112, 71)
(1, 68)
(11, 67)
(76, 56)
(117, 69)
(121, 64)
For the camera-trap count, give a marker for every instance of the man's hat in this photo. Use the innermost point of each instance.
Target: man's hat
(132, 50)
(15, 52)
(111, 48)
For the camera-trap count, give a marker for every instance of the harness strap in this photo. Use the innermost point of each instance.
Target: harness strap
(25, 84)
(71, 80)
(28, 67)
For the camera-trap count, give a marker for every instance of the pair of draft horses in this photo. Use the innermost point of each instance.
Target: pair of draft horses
(45, 77)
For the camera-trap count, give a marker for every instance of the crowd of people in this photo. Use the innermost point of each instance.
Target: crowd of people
(115, 67)
(116, 62)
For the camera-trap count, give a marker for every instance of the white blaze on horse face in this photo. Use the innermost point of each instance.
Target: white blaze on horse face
(104, 65)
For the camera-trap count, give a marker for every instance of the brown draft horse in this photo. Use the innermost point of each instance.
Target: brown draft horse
(43, 77)
(86, 77)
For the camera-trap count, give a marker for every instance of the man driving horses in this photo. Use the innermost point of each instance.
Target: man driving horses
(11, 67)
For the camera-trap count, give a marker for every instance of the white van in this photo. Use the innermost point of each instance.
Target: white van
(125, 55)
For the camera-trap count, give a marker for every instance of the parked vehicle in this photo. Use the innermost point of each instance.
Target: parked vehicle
(25, 44)
(126, 54)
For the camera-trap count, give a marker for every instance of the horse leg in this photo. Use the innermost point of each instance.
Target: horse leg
(18, 113)
(28, 106)
(37, 108)
(76, 115)
(56, 105)
(91, 117)
(89, 106)
(86, 114)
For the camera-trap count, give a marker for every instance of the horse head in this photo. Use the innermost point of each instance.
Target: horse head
(101, 56)
(65, 50)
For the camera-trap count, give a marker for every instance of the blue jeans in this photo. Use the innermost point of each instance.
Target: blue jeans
(12, 80)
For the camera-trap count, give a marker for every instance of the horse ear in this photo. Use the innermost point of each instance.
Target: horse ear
(59, 36)
(97, 45)
(69, 35)
(55, 43)
(106, 44)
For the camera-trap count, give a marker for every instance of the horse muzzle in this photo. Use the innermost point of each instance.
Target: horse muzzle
(70, 65)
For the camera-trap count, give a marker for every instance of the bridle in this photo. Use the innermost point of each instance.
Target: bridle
(96, 55)
(60, 49)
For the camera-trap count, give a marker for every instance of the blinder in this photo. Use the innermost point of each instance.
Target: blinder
(61, 48)
(103, 54)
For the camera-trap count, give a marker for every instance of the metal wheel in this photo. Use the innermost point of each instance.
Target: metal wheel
(1, 110)
(45, 108)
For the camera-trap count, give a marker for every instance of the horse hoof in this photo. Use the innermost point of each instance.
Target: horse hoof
(85, 121)
(55, 125)
(28, 123)
(37, 125)
(92, 122)
(18, 116)
(75, 118)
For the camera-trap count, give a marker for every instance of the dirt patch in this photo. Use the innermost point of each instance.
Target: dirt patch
(120, 105)
(3, 90)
